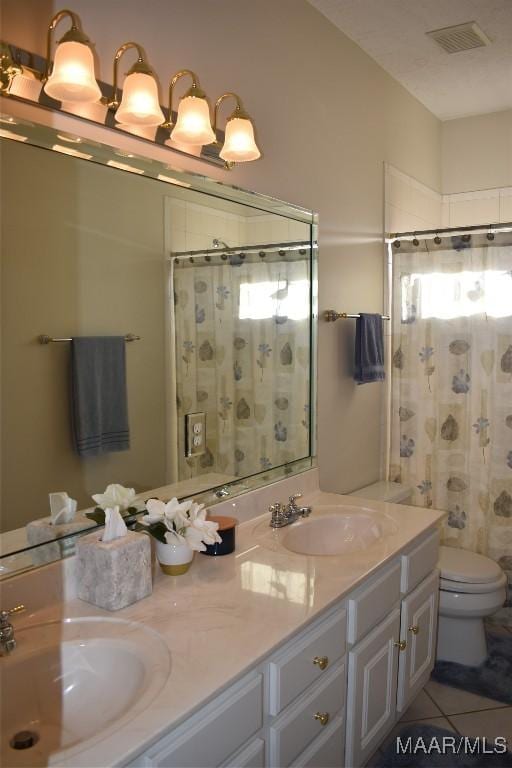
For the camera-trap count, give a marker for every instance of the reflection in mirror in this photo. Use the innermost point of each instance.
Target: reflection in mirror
(210, 303)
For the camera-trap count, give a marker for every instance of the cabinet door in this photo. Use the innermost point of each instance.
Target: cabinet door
(372, 682)
(418, 628)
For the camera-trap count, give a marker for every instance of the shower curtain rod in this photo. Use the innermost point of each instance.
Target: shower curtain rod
(495, 228)
(292, 246)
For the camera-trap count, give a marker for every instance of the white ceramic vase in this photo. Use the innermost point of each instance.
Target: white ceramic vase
(174, 558)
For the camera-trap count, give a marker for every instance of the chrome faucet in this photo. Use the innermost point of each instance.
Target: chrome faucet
(7, 639)
(282, 515)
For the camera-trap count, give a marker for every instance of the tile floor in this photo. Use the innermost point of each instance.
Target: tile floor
(456, 710)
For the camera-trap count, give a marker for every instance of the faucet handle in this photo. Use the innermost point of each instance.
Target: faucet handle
(295, 497)
(277, 515)
(4, 615)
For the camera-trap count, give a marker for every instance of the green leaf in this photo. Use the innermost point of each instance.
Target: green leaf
(98, 515)
(157, 530)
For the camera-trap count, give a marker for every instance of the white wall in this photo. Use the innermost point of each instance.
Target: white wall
(477, 152)
(477, 170)
(327, 117)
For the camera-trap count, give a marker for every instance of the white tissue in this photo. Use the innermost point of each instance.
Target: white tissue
(62, 508)
(115, 527)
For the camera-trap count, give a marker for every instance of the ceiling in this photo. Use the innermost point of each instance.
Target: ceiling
(450, 85)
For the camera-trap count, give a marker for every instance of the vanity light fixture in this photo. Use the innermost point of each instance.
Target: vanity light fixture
(71, 78)
(193, 124)
(139, 103)
(8, 68)
(239, 143)
(67, 76)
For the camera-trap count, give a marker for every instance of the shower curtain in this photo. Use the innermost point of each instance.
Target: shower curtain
(451, 438)
(243, 357)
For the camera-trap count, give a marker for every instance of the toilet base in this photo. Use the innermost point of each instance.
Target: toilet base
(461, 640)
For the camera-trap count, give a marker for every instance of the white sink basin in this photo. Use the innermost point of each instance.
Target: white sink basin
(337, 530)
(69, 682)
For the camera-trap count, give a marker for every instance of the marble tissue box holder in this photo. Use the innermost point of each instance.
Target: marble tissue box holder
(113, 574)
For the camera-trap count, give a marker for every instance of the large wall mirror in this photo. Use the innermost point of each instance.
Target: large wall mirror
(214, 289)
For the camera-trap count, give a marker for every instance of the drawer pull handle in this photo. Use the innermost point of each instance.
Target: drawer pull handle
(401, 645)
(321, 661)
(414, 629)
(322, 717)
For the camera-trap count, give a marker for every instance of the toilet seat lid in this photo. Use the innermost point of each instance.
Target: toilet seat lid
(467, 567)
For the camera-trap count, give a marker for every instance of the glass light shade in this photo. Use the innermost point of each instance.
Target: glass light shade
(193, 125)
(72, 78)
(139, 105)
(239, 144)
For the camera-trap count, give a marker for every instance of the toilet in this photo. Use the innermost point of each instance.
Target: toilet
(471, 587)
(384, 490)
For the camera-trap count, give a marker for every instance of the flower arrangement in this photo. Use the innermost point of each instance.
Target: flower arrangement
(179, 523)
(115, 495)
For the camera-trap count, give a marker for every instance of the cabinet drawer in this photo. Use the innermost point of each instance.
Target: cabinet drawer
(251, 756)
(327, 750)
(297, 726)
(207, 739)
(420, 561)
(371, 602)
(294, 668)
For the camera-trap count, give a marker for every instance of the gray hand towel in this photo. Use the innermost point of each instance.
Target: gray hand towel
(369, 349)
(99, 398)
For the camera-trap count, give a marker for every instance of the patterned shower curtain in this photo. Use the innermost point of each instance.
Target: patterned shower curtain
(452, 387)
(243, 357)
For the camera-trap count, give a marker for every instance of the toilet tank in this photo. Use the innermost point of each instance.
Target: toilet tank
(385, 491)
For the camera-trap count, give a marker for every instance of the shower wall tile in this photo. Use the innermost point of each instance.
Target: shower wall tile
(410, 205)
(490, 206)
(479, 211)
(506, 205)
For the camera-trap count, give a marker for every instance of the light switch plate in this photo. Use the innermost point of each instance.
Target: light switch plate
(195, 434)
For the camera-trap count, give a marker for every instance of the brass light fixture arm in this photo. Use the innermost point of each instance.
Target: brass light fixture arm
(239, 110)
(74, 34)
(140, 66)
(194, 90)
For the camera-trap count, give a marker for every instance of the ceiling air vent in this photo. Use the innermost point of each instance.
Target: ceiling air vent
(461, 37)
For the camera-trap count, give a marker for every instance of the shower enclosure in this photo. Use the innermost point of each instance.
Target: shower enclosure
(451, 389)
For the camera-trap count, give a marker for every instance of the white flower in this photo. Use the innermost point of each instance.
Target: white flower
(194, 538)
(201, 531)
(172, 514)
(115, 495)
(155, 512)
(185, 521)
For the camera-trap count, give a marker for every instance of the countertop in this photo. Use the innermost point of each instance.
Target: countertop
(212, 618)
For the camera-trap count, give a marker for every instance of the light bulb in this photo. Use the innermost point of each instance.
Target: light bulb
(193, 125)
(139, 105)
(239, 144)
(72, 78)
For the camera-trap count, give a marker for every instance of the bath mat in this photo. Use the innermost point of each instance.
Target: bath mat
(427, 746)
(492, 679)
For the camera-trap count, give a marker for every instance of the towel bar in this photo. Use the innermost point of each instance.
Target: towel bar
(331, 315)
(44, 339)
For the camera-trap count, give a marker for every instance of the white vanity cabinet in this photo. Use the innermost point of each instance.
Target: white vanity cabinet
(331, 693)
(392, 662)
